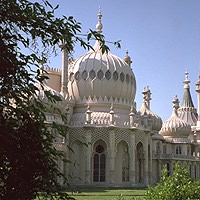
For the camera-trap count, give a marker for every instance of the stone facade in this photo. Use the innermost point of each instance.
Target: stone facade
(113, 143)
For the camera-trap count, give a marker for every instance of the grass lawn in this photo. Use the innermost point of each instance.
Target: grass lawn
(107, 194)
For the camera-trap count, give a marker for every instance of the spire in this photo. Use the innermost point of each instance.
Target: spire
(187, 111)
(187, 99)
(99, 25)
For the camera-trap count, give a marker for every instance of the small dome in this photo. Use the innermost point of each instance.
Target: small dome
(174, 126)
(155, 119)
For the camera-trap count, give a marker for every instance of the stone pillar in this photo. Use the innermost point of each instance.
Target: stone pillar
(146, 161)
(66, 150)
(112, 156)
(131, 117)
(150, 163)
(88, 155)
(132, 160)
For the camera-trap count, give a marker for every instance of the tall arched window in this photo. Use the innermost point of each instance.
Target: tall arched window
(99, 165)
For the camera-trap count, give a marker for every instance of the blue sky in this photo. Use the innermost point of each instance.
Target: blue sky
(162, 37)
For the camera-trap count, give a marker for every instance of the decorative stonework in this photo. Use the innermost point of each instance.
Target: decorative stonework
(100, 134)
(139, 137)
(77, 134)
(122, 135)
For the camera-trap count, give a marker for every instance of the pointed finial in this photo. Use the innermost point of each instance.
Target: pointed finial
(186, 74)
(99, 25)
(127, 58)
(186, 81)
(111, 107)
(175, 102)
(147, 96)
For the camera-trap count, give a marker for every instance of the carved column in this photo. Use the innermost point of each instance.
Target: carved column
(66, 150)
(146, 172)
(150, 162)
(112, 155)
(88, 155)
(132, 159)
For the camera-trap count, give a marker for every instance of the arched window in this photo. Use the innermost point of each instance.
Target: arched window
(99, 165)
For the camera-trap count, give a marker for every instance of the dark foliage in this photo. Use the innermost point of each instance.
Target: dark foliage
(28, 166)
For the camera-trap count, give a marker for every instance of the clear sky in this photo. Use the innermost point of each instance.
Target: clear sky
(162, 37)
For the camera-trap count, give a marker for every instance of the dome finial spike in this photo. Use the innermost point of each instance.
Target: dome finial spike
(186, 81)
(127, 58)
(99, 25)
(175, 102)
(186, 74)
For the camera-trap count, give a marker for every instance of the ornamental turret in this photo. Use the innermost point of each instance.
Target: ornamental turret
(187, 111)
(146, 114)
(175, 127)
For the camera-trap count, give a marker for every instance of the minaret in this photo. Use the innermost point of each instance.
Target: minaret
(64, 78)
(198, 100)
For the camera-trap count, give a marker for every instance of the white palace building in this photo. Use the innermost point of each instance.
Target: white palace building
(125, 146)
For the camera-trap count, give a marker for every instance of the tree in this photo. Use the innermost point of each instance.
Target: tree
(178, 186)
(27, 157)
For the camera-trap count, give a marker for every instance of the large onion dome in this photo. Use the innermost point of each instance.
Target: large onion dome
(144, 111)
(99, 75)
(174, 126)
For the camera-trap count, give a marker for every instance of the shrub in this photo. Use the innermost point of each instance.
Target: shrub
(177, 186)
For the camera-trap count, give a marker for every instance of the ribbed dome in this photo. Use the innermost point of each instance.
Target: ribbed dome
(174, 126)
(101, 75)
(97, 75)
(155, 119)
